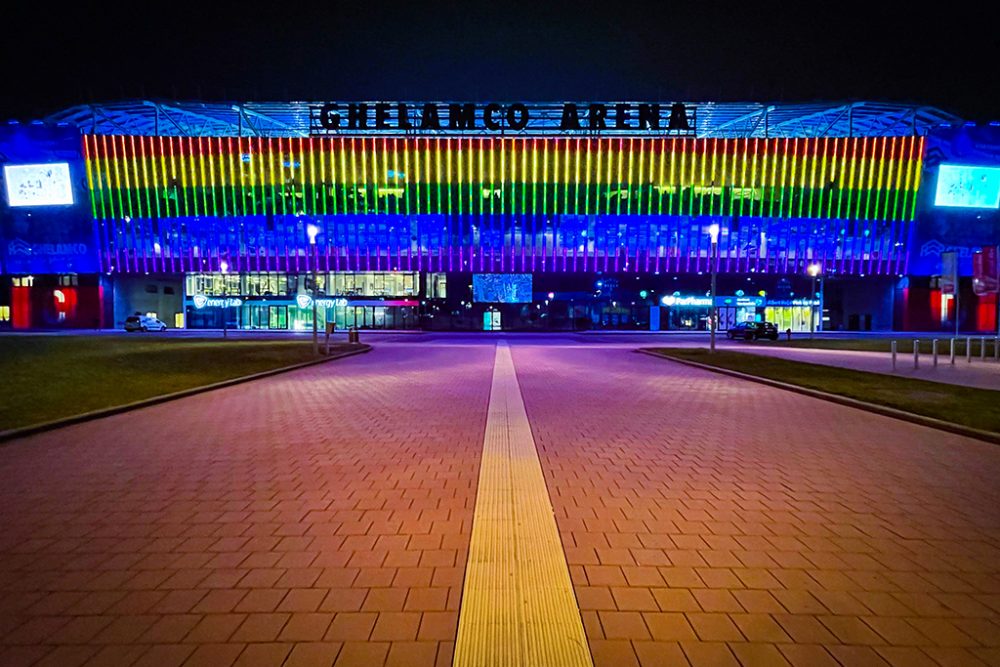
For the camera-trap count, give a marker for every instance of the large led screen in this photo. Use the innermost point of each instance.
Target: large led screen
(501, 287)
(38, 184)
(967, 187)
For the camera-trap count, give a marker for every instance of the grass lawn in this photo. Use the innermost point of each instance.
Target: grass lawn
(904, 343)
(49, 377)
(960, 405)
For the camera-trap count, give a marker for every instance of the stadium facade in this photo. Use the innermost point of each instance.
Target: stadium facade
(500, 215)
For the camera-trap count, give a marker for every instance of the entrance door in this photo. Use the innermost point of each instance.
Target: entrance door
(277, 317)
(491, 321)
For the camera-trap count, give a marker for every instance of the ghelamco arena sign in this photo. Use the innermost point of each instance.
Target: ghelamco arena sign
(495, 117)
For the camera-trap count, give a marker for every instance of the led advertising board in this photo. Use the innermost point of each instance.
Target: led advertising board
(967, 187)
(501, 287)
(38, 184)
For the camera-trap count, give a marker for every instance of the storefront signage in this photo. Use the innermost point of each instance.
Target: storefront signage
(306, 301)
(793, 302)
(202, 301)
(330, 118)
(672, 300)
(740, 301)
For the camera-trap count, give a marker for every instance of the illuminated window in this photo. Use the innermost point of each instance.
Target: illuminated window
(4, 313)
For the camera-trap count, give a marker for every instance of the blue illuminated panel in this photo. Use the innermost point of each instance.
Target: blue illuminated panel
(501, 287)
(967, 186)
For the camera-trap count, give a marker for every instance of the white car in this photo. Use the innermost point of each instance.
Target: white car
(144, 323)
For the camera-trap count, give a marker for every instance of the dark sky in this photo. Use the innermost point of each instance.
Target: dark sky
(503, 50)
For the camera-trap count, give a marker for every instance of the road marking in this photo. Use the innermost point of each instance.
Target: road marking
(518, 605)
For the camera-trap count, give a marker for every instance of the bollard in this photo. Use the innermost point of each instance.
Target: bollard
(968, 349)
(916, 354)
(982, 348)
(893, 355)
(951, 355)
(934, 351)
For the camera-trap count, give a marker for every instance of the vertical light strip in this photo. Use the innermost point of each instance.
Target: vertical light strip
(119, 168)
(877, 166)
(827, 181)
(743, 173)
(672, 183)
(524, 180)
(870, 181)
(610, 182)
(859, 169)
(917, 168)
(682, 176)
(796, 183)
(588, 175)
(814, 158)
(724, 181)
(565, 180)
(89, 163)
(844, 183)
(157, 178)
(545, 181)
(900, 159)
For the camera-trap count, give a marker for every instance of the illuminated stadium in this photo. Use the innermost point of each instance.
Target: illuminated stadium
(519, 216)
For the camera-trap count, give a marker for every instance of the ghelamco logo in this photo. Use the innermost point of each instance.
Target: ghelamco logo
(22, 247)
(18, 247)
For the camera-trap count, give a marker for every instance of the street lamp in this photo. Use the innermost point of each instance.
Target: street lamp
(713, 232)
(814, 270)
(224, 266)
(312, 231)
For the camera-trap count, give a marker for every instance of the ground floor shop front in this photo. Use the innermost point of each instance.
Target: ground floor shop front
(463, 301)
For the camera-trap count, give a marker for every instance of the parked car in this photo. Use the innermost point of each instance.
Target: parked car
(753, 331)
(144, 323)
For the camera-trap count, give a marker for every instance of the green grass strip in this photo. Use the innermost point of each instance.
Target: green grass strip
(967, 406)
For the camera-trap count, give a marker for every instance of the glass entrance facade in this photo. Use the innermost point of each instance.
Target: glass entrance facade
(284, 301)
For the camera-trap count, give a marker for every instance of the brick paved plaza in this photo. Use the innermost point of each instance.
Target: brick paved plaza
(323, 517)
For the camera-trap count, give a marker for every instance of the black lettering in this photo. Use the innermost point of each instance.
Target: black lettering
(357, 116)
(596, 114)
(328, 117)
(462, 116)
(381, 116)
(517, 116)
(621, 116)
(404, 116)
(489, 116)
(570, 117)
(678, 117)
(429, 118)
(649, 116)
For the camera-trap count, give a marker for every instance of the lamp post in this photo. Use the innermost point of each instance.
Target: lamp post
(713, 232)
(814, 270)
(312, 231)
(224, 267)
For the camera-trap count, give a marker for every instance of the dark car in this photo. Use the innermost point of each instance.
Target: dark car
(753, 331)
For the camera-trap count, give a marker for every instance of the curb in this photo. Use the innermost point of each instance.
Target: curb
(15, 433)
(903, 415)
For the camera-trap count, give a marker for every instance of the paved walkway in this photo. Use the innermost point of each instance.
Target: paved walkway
(324, 516)
(984, 374)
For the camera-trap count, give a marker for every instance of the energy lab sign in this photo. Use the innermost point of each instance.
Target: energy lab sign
(676, 119)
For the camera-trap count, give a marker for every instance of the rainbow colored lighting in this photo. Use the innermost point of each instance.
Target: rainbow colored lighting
(870, 179)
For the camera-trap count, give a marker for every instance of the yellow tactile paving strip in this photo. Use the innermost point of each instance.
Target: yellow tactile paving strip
(518, 605)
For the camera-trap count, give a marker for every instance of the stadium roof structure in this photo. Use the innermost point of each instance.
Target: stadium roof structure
(299, 119)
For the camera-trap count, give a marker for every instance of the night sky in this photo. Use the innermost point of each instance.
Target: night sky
(500, 51)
